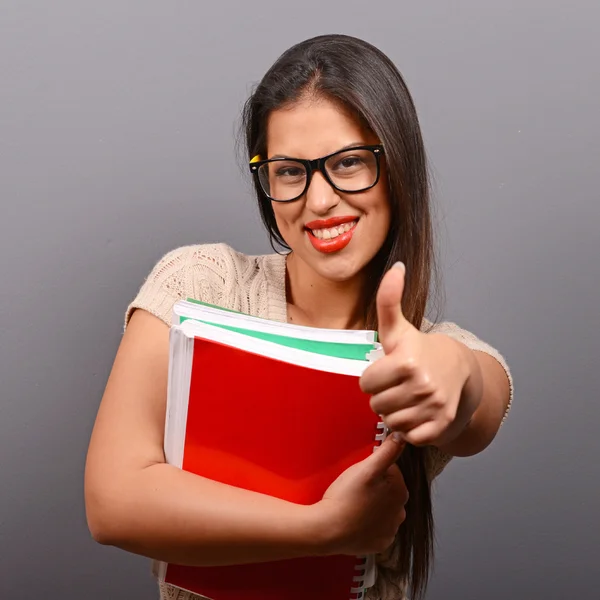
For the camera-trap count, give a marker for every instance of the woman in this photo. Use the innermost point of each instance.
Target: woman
(341, 178)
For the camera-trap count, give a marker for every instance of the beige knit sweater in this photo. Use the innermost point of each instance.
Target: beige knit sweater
(217, 274)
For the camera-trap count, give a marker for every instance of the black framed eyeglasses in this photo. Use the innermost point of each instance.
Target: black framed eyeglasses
(350, 171)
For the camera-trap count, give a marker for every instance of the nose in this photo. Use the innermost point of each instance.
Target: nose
(320, 196)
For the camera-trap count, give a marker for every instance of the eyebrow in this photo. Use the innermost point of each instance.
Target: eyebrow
(346, 147)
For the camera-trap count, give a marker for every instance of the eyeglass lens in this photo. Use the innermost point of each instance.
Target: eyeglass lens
(349, 171)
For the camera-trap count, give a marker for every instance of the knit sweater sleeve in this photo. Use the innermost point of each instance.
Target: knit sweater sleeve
(436, 458)
(199, 272)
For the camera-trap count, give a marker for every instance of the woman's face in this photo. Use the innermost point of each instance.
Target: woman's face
(311, 129)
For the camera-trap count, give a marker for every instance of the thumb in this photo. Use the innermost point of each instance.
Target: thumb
(385, 455)
(390, 318)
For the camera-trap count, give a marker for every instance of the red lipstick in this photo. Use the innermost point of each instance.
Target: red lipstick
(332, 222)
(335, 244)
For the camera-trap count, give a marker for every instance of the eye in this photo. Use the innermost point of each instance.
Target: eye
(349, 161)
(290, 171)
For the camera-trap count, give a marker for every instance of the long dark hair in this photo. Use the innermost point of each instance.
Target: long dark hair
(363, 79)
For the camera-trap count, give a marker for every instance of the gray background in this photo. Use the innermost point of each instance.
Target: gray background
(117, 122)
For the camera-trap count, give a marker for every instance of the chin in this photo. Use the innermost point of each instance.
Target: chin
(337, 267)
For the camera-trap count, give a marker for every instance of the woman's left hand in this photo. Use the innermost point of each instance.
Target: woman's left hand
(424, 386)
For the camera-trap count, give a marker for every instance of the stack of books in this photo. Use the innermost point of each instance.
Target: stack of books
(277, 409)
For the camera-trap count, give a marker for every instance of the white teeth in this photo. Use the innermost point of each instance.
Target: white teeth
(333, 232)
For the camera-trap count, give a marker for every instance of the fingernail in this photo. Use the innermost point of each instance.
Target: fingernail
(397, 436)
(399, 265)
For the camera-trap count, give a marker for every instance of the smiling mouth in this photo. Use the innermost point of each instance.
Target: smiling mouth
(331, 233)
(332, 239)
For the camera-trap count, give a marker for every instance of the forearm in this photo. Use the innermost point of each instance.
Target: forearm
(489, 383)
(171, 515)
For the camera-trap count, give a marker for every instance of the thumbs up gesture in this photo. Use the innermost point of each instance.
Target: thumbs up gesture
(418, 386)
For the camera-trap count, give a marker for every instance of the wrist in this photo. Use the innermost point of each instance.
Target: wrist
(320, 531)
(470, 399)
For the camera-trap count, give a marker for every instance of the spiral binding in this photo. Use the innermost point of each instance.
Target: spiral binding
(365, 566)
(380, 437)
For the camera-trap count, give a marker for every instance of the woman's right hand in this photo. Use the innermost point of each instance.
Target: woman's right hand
(363, 508)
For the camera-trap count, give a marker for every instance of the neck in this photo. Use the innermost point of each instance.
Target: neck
(319, 302)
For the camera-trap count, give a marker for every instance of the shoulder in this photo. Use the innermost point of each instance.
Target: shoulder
(217, 257)
(182, 269)
(193, 271)
(214, 273)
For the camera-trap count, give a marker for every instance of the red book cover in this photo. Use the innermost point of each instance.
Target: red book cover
(276, 428)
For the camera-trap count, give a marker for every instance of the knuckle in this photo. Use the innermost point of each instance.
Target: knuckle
(438, 401)
(365, 382)
(409, 366)
(404, 497)
(416, 438)
(394, 421)
(401, 516)
(390, 420)
(375, 404)
(439, 431)
(383, 543)
(449, 415)
(396, 369)
(426, 386)
(377, 547)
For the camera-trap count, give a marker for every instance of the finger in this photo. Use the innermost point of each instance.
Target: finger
(386, 372)
(410, 391)
(390, 319)
(424, 434)
(407, 420)
(399, 485)
(395, 399)
(401, 517)
(385, 455)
